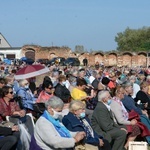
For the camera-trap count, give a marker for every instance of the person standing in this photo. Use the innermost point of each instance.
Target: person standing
(85, 61)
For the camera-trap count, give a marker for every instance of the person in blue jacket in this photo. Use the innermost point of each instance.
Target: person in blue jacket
(129, 102)
(76, 120)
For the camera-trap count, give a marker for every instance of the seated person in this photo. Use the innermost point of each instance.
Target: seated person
(46, 93)
(58, 136)
(9, 107)
(83, 93)
(61, 91)
(143, 96)
(129, 102)
(9, 138)
(103, 122)
(40, 88)
(76, 121)
(78, 92)
(25, 93)
(123, 117)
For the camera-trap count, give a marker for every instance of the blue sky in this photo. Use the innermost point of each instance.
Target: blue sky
(91, 23)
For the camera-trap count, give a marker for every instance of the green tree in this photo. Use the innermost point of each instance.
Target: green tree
(134, 39)
(79, 49)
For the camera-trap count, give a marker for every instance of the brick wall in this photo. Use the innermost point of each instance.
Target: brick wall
(109, 59)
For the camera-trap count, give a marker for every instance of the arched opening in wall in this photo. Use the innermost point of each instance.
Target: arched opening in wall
(127, 59)
(99, 57)
(82, 56)
(142, 59)
(30, 53)
(52, 55)
(112, 59)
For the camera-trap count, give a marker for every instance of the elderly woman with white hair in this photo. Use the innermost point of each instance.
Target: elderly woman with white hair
(49, 133)
(25, 93)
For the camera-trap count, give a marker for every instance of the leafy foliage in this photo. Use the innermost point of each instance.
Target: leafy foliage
(134, 40)
(79, 49)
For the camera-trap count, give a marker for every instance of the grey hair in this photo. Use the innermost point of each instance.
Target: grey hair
(127, 84)
(72, 79)
(94, 73)
(54, 102)
(102, 95)
(132, 77)
(22, 82)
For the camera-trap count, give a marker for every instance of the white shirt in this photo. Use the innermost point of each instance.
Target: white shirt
(136, 88)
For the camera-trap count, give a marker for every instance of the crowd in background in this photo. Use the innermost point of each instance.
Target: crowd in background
(99, 106)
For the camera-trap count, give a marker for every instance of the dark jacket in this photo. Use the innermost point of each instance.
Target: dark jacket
(72, 123)
(4, 131)
(129, 104)
(103, 122)
(143, 97)
(63, 93)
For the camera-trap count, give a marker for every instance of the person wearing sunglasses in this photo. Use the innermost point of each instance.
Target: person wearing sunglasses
(8, 106)
(46, 93)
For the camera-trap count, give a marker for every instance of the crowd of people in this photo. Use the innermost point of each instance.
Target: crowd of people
(81, 108)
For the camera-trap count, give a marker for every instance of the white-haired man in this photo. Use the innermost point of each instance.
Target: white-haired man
(103, 122)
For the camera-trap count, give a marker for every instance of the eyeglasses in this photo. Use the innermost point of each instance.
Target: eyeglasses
(11, 92)
(50, 88)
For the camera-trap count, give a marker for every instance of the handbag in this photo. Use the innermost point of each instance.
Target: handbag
(7, 124)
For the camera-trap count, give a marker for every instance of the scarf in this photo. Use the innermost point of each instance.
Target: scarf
(63, 132)
(88, 128)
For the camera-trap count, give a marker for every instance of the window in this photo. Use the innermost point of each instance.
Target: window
(0, 41)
